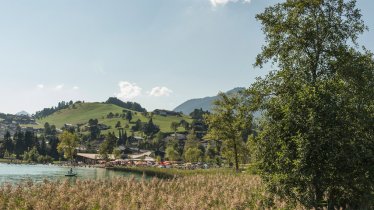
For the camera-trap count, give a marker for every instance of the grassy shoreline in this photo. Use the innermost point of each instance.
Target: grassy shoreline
(168, 173)
(12, 161)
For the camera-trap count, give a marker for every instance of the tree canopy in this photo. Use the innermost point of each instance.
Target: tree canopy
(68, 144)
(230, 122)
(315, 144)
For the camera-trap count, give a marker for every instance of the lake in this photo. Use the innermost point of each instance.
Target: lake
(16, 173)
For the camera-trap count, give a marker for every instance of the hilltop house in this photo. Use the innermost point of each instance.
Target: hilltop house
(165, 113)
(89, 158)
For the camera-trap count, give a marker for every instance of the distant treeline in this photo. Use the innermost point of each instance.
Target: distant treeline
(127, 105)
(29, 146)
(48, 111)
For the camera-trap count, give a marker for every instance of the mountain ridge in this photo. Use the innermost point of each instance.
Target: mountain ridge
(205, 103)
(22, 113)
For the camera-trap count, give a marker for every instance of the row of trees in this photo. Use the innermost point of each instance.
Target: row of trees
(126, 105)
(48, 111)
(26, 144)
(314, 144)
(148, 128)
(125, 115)
(192, 150)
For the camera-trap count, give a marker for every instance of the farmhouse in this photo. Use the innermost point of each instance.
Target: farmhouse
(91, 158)
(165, 113)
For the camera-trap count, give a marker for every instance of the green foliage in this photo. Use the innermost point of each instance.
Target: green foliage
(108, 145)
(174, 126)
(191, 151)
(8, 143)
(185, 124)
(150, 128)
(127, 105)
(43, 147)
(198, 114)
(192, 154)
(94, 128)
(158, 143)
(138, 126)
(34, 157)
(48, 111)
(171, 153)
(21, 142)
(229, 122)
(110, 115)
(68, 144)
(117, 153)
(128, 116)
(118, 124)
(315, 144)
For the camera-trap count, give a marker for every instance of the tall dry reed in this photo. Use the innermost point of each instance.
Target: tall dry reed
(191, 192)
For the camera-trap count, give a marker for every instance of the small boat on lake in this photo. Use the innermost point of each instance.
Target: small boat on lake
(71, 173)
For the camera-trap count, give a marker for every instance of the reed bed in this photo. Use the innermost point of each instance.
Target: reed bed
(219, 191)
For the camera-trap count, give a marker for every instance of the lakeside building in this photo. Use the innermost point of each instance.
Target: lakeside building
(89, 158)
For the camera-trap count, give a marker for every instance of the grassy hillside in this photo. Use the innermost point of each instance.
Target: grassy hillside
(85, 111)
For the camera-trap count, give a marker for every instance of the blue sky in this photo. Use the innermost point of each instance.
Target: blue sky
(155, 52)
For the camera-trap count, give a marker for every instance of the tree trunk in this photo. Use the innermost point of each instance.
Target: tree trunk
(236, 157)
(318, 193)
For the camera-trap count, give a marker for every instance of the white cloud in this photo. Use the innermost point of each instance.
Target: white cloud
(160, 91)
(75, 88)
(128, 90)
(223, 2)
(59, 87)
(40, 86)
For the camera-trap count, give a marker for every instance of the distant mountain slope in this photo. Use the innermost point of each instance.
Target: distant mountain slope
(204, 103)
(22, 113)
(81, 113)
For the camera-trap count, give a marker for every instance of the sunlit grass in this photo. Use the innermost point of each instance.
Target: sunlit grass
(85, 111)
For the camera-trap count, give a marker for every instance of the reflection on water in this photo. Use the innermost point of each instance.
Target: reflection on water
(11, 173)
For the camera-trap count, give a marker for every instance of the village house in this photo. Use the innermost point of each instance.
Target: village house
(165, 113)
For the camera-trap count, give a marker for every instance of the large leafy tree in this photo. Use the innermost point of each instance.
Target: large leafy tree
(129, 116)
(230, 122)
(108, 145)
(174, 127)
(171, 153)
(316, 144)
(150, 129)
(191, 150)
(68, 144)
(94, 128)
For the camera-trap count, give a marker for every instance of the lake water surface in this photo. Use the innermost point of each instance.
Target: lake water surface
(16, 173)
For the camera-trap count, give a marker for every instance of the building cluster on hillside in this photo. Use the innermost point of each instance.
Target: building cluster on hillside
(11, 123)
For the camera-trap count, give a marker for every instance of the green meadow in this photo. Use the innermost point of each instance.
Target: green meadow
(82, 113)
